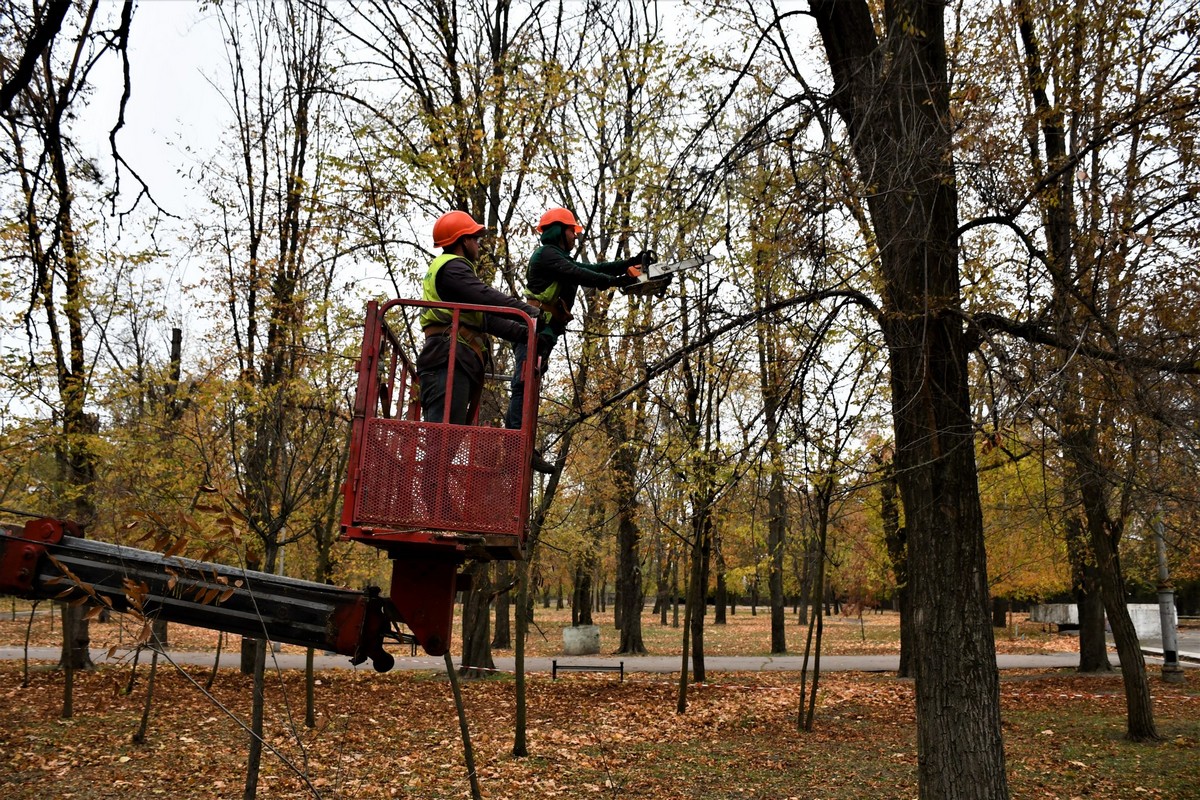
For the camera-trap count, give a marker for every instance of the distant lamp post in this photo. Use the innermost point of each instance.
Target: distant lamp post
(1171, 671)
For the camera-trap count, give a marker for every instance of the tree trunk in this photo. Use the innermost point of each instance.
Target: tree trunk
(1075, 276)
(999, 612)
(894, 97)
(662, 598)
(585, 569)
(477, 652)
(502, 638)
(1093, 646)
(76, 638)
(581, 597)
(698, 584)
(771, 383)
(246, 664)
(1104, 534)
(776, 532)
(897, 547)
(139, 736)
(675, 591)
(816, 625)
(721, 593)
(258, 649)
(629, 566)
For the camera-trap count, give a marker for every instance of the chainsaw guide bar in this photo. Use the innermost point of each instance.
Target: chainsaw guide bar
(653, 279)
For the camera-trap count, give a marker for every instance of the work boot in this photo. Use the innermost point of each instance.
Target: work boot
(540, 464)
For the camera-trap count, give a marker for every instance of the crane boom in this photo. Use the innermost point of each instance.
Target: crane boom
(43, 561)
(431, 495)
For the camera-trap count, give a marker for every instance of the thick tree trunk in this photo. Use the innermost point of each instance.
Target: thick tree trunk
(246, 662)
(894, 96)
(76, 638)
(897, 547)
(477, 652)
(502, 637)
(1093, 643)
(1093, 646)
(581, 597)
(721, 594)
(629, 565)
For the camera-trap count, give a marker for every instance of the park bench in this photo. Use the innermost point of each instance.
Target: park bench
(556, 668)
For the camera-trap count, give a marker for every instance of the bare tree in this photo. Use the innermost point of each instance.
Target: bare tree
(891, 89)
(1093, 198)
(282, 438)
(46, 177)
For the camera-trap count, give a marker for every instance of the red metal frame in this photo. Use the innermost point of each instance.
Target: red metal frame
(21, 552)
(432, 494)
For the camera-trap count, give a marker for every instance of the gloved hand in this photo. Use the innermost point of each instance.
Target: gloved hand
(621, 281)
(644, 258)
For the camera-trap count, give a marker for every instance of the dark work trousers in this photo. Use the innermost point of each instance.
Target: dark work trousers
(433, 395)
(516, 399)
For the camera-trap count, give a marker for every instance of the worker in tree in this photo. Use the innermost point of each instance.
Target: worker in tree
(451, 278)
(551, 282)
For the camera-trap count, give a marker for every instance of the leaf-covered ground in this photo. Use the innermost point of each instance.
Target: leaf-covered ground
(384, 736)
(396, 735)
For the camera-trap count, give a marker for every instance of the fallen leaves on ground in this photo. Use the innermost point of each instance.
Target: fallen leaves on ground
(396, 735)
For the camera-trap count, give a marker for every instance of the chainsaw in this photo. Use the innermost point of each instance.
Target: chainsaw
(653, 277)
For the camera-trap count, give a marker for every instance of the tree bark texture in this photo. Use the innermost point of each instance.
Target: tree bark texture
(698, 581)
(721, 593)
(897, 546)
(76, 638)
(1104, 534)
(476, 623)
(893, 96)
(1093, 646)
(502, 636)
(581, 596)
(629, 565)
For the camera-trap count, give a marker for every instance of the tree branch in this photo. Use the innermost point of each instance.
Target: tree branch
(1034, 333)
(847, 296)
(43, 35)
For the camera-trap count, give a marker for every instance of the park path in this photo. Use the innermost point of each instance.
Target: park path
(1188, 643)
(632, 664)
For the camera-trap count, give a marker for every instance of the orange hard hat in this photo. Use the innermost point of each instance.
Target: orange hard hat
(558, 215)
(454, 225)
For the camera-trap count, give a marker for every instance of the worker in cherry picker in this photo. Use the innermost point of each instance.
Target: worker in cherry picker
(452, 278)
(551, 282)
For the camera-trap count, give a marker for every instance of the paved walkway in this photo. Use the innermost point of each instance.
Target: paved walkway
(648, 664)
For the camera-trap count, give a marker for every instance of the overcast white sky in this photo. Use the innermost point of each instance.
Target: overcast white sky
(175, 50)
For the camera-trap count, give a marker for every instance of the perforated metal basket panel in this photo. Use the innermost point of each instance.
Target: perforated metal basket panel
(436, 476)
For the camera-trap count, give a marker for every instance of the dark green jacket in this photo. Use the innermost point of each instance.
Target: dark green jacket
(553, 274)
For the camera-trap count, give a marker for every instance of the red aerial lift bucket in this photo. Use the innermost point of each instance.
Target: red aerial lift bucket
(433, 494)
